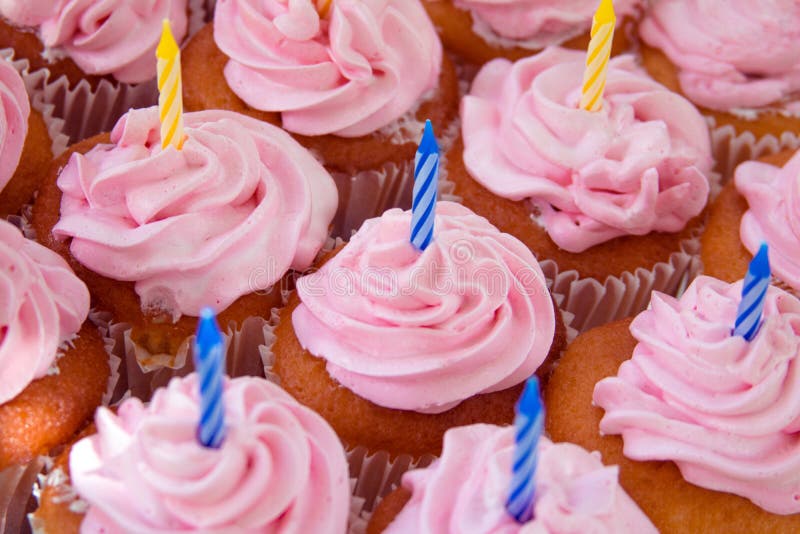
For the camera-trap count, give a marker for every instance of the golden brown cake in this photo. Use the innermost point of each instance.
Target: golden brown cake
(36, 156)
(658, 487)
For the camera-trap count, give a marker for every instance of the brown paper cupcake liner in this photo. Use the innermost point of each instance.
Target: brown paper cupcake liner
(731, 148)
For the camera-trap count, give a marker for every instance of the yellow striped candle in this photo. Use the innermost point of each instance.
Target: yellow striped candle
(170, 91)
(323, 7)
(594, 77)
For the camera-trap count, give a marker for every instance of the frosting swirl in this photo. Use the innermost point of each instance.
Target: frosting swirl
(425, 331)
(281, 468)
(117, 37)
(726, 411)
(538, 23)
(14, 113)
(349, 75)
(637, 166)
(773, 196)
(465, 490)
(193, 227)
(42, 304)
(732, 54)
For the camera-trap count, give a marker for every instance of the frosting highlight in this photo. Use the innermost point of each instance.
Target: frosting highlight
(639, 165)
(726, 411)
(42, 305)
(464, 491)
(281, 468)
(15, 109)
(229, 214)
(730, 55)
(773, 196)
(425, 331)
(350, 74)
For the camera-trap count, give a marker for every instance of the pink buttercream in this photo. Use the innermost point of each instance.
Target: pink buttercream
(117, 37)
(726, 411)
(639, 165)
(425, 331)
(281, 468)
(543, 22)
(15, 109)
(773, 195)
(349, 75)
(465, 491)
(42, 305)
(227, 215)
(732, 53)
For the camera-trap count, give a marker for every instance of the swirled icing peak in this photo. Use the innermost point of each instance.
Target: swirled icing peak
(117, 37)
(773, 196)
(464, 491)
(350, 74)
(42, 305)
(425, 331)
(729, 54)
(639, 165)
(539, 23)
(230, 213)
(281, 468)
(726, 411)
(14, 113)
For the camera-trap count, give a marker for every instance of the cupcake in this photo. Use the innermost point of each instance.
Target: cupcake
(739, 62)
(393, 346)
(608, 200)
(24, 143)
(280, 469)
(481, 30)
(158, 234)
(759, 205)
(354, 84)
(54, 367)
(465, 491)
(703, 424)
(91, 59)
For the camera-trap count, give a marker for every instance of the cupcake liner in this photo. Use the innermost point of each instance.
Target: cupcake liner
(16, 489)
(86, 111)
(142, 372)
(731, 148)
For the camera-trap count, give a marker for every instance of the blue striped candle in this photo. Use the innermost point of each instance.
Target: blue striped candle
(528, 424)
(754, 291)
(209, 361)
(426, 187)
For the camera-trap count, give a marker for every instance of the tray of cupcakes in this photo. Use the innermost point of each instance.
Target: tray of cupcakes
(402, 266)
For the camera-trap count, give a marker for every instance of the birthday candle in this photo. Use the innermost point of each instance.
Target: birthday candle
(323, 7)
(426, 186)
(170, 90)
(209, 362)
(528, 424)
(754, 291)
(594, 76)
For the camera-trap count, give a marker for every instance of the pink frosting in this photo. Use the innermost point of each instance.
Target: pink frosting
(281, 468)
(732, 53)
(465, 491)
(350, 74)
(227, 215)
(117, 37)
(425, 331)
(543, 21)
(773, 194)
(15, 109)
(640, 165)
(726, 411)
(42, 305)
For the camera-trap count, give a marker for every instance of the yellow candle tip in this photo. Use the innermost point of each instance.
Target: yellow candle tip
(323, 6)
(167, 47)
(605, 13)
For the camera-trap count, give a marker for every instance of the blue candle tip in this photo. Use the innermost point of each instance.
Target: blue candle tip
(530, 403)
(760, 264)
(428, 143)
(208, 332)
